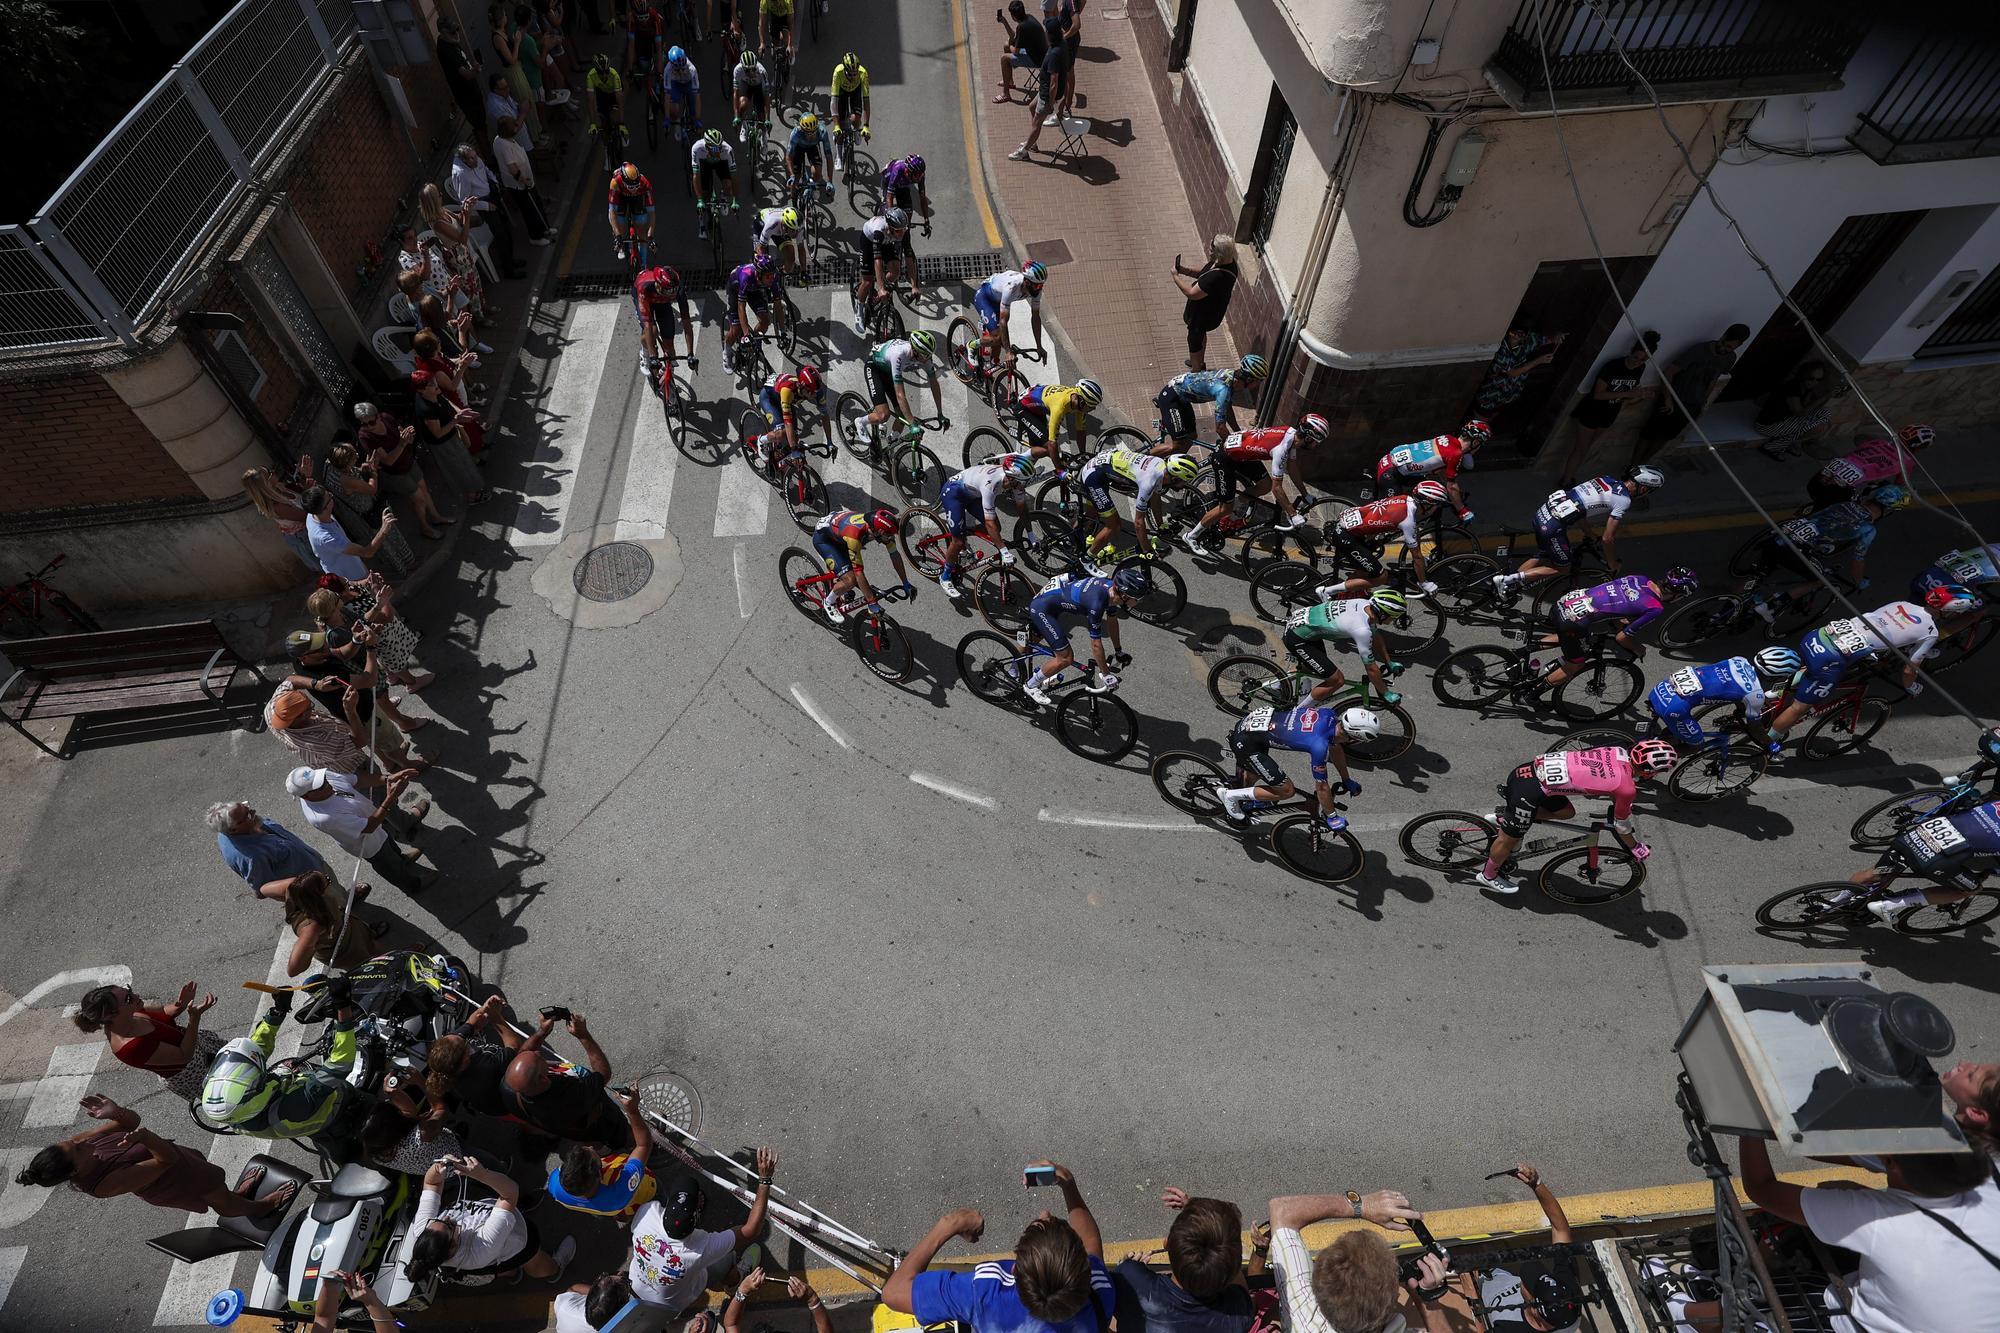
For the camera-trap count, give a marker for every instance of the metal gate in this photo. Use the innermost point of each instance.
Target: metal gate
(308, 335)
(1973, 327)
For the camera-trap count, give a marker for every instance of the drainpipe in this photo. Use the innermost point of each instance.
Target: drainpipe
(1299, 307)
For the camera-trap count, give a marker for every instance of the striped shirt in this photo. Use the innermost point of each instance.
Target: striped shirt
(1293, 1264)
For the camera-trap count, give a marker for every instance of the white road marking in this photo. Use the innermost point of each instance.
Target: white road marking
(67, 1079)
(11, 1259)
(742, 501)
(649, 471)
(18, 1202)
(1048, 816)
(115, 975)
(742, 563)
(953, 790)
(811, 710)
(566, 420)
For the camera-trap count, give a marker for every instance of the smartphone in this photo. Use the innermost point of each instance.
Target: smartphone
(1038, 1175)
(557, 1013)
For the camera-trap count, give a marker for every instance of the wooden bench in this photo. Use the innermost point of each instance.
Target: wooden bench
(121, 671)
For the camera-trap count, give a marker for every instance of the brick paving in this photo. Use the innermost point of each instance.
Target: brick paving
(1120, 208)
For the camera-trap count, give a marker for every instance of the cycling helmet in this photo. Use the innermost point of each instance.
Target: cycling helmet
(897, 219)
(749, 58)
(850, 60)
(1313, 426)
(809, 122)
(1090, 391)
(237, 1086)
(1649, 477)
(1016, 464)
(629, 178)
(1360, 724)
(1183, 468)
(1680, 580)
(1254, 367)
(714, 137)
(1132, 581)
(1917, 437)
(1953, 599)
(923, 342)
(1475, 432)
(1388, 602)
(916, 163)
(1778, 663)
(883, 521)
(651, 282)
(1430, 492)
(1889, 497)
(1654, 756)
(676, 56)
(1989, 745)
(790, 217)
(764, 266)
(602, 61)
(1036, 272)
(809, 379)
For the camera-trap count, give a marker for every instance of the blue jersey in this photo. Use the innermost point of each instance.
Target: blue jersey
(1954, 840)
(802, 142)
(1308, 728)
(1842, 527)
(1068, 593)
(1731, 681)
(1203, 386)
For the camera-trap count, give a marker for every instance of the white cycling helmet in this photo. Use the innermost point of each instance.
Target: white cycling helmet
(1649, 477)
(1778, 663)
(1361, 724)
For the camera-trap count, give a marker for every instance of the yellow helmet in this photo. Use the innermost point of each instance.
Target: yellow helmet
(809, 122)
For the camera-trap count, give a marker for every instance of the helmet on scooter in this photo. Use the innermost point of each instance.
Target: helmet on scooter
(238, 1086)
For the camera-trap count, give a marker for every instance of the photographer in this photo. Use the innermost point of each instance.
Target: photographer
(477, 1241)
(569, 1104)
(1350, 1286)
(1547, 1301)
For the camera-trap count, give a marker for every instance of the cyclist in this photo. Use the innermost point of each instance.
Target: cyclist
(1177, 399)
(607, 102)
(808, 145)
(1977, 567)
(654, 295)
(1600, 497)
(645, 37)
(881, 251)
(849, 90)
(1407, 464)
(1746, 682)
(1096, 597)
(903, 187)
(1871, 463)
(1625, 605)
(1540, 789)
(1259, 459)
(994, 303)
(1912, 629)
(1145, 472)
(1049, 405)
(1360, 533)
(288, 1099)
(631, 203)
(1954, 852)
(839, 538)
(888, 365)
(778, 400)
(1349, 620)
(777, 233)
(774, 24)
(984, 483)
(751, 83)
(1314, 731)
(680, 85)
(1805, 545)
(714, 160)
(752, 289)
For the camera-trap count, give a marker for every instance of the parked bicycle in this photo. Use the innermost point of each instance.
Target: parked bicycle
(22, 604)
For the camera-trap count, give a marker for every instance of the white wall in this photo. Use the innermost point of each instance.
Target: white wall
(1877, 327)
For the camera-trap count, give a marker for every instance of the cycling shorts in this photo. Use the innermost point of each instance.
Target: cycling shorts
(1095, 483)
(905, 198)
(1176, 414)
(1392, 482)
(987, 302)
(778, 25)
(1524, 799)
(1824, 669)
(964, 511)
(847, 104)
(759, 96)
(1675, 712)
(1233, 472)
(1552, 540)
(1914, 851)
(1934, 577)
(773, 410)
(803, 152)
(1789, 559)
(711, 169)
(1826, 493)
(1048, 630)
(1310, 654)
(889, 252)
(881, 386)
(1253, 753)
(833, 550)
(663, 318)
(677, 94)
(1574, 640)
(1361, 556)
(757, 296)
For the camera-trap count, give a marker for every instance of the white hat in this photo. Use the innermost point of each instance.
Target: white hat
(301, 781)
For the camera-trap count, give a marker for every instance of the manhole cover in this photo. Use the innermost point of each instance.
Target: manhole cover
(671, 1097)
(1050, 252)
(612, 572)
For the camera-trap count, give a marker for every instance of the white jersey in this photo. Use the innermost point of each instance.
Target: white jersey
(1598, 497)
(719, 153)
(1902, 625)
(1010, 286)
(876, 231)
(986, 479)
(1346, 617)
(1143, 470)
(748, 77)
(684, 75)
(771, 228)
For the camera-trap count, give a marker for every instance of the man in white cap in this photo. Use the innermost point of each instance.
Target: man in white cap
(332, 803)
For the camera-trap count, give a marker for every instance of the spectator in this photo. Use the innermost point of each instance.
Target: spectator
(614, 1186)
(334, 805)
(315, 737)
(460, 74)
(479, 1240)
(1027, 46)
(517, 178)
(424, 260)
(1918, 1240)
(477, 191)
(405, 1131)
(454, 332)
(501, 104)
(280, 503)
(1547, 1300)
(1054, 65)
(392, 452)
(1799, 412)
(352, 482)
(453, 229)
(673, 1259)
(1203, 1290)
(439, 423)
(323, 930)
(259, 850)
(1521, 353)
(520, 22)
(1617, 384)
(795, 1287)
(336, 554)
(1696, 376)
(322, 663)
(589, 1306)
(507, 45)
(1974, 1091)
(336, 1295)
(1072, 45)
(372, 603)
(154, 1037)
(1207, 290)
(121, 1157)
(1350, 1286)
(463, 1069)
(1055, 1281)
(571, 1105)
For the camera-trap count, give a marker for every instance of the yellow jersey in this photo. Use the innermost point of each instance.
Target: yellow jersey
(858, 83)
(778, 8)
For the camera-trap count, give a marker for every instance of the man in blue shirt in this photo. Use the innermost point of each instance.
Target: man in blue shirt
(1203, 1290)
(1055, 1283)
(258, 849)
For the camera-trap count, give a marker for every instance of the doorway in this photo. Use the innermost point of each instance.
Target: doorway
(1567, 296)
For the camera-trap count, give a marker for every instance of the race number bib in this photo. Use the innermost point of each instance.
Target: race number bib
(1350, 519)
(1574, 605)
(1804, 536)
(1937, 836)
(1685, 683)
(1257, 719)
(1847, 638)
(1562, 506)
(1961, 569)
(1297, 620)
(1842, 472)
(1553, 770)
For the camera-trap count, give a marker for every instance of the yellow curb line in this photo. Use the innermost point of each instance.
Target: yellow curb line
(974, 162)
(575, 237)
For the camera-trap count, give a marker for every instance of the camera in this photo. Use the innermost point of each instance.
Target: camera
(556, 1013)
(1407, 1270)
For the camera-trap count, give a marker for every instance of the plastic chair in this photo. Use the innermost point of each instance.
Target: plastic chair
(1074, 128)
(392, 344)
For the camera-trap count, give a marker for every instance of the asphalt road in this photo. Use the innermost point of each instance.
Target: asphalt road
(901, 935)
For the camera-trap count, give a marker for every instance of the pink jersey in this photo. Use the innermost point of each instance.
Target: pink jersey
(1877, 460)
(1605, 771)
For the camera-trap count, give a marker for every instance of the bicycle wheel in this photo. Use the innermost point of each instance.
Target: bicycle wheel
(1954, 650)
(1399, 733)
(1101, 727)
(1698, 620)
(990, 665)
(1281, 587)
(1303, 843)
(1190, 783)
(1002, 595)
(959, 337)
(882, 645)
(1046, 543)
(1474, 677)
(1447, 840)
(1932, 919)
(916, 472)
(1793, 616)
(1753, 557)
(922, 534)
(1713, 772)
(1124, 437)
(1465, 582)
(1004, 391)
(1819, 907)
(850, 411)
(795, 567)
(1604, 688)
(1263, 543)
(73, 613)
(652, 128)
(982, 444)
(1419, 626)
(750, 424)
(1879, 824)
(1591, 876)
(1243, 681)
(1168, 596)
(805, 496)
(1543, 596)
(1594, 738)
(1845, 728)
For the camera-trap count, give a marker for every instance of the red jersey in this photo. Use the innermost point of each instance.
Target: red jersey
(666, 285)
(1423, 458)
(641, 201)
(1381, 519)
(1256, 445)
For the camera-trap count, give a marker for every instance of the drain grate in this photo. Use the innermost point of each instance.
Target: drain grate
(612, 572)
(1050, 252)
(841, 269)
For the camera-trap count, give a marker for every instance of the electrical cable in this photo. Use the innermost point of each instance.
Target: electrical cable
(1597, 249)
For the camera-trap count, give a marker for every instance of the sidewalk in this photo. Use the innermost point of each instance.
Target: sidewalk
(1107, 223)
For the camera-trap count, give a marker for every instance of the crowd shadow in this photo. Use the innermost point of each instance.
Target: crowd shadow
(1967, 958)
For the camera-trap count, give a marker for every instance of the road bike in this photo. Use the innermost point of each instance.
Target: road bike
(1581, 871)
(1243, 681)
(896, 446)
(1049, 544)
(1706, 616)
(999, 591)
(674, 394)
(1090, 720)
(22, 604)
(800, 485)
(1882, 823)
(656, 105)
(1193, 784)
(1606, 683)
(1465, 579)
(778, 70)
(1836, 907)
(636, 252)
(991, 377)
(1282, 591)
(617, 142)
(1728, 765)
(1847, 718)
(881, 317)
(880, 643)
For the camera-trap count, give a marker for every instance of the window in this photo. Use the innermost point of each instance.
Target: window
(235, 356)
(1267, 179)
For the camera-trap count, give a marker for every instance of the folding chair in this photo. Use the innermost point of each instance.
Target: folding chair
(1074, 128)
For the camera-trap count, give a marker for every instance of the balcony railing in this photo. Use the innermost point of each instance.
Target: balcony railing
(1943, 103)
(1690, 50)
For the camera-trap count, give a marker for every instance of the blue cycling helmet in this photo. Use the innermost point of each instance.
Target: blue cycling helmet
(1134, 581)
(1989, 745)
(676, 56)
(1889, 497)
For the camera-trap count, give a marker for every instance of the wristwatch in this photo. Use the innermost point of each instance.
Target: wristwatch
(1355, 1200)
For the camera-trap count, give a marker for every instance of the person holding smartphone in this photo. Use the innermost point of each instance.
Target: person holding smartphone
(475, 1242)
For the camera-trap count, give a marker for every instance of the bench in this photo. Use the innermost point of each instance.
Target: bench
(121, 671)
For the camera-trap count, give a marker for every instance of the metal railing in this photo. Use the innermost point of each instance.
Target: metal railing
(1942, 103)
(1746, 45)
(114, 238)
(1973, 326)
